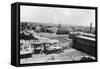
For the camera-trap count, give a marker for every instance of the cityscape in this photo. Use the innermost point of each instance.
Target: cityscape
(56, 40)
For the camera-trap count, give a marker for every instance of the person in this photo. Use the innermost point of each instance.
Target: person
(52, 57)
(42, 49)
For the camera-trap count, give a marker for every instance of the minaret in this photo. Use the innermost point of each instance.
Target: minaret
(90, 27)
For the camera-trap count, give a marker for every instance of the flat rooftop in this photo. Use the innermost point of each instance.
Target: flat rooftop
(84, 37)
(88, 34)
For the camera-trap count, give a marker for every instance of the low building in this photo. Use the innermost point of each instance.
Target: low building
(25, 50)
(43, 46)
(85, 44)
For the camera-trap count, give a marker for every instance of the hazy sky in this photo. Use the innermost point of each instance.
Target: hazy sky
(57, 15)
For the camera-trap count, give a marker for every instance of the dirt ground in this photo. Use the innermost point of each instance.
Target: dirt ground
(67, 55)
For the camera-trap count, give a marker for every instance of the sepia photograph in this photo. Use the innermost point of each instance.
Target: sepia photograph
(55, 34)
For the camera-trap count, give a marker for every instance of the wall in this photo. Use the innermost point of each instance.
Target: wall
(5, 36)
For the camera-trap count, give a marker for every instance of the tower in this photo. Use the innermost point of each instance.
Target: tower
(90, 27)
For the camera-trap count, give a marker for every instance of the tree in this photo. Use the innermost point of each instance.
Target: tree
(62, 32)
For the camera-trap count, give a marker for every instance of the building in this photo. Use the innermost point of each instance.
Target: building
(86, 34)
(85, 44)
(45, 46)
(25, 50)
(40, 46)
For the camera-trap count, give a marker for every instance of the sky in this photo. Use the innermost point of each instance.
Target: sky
(55, 15)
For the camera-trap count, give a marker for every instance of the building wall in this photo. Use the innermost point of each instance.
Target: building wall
(87, 46)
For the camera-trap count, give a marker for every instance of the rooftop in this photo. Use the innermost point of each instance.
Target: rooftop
(84, 37)
(25, 52)
(88, 34)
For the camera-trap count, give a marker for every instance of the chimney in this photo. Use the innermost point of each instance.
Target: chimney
(90, 27)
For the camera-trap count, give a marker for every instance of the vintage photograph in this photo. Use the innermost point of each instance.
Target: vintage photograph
(55, 34)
